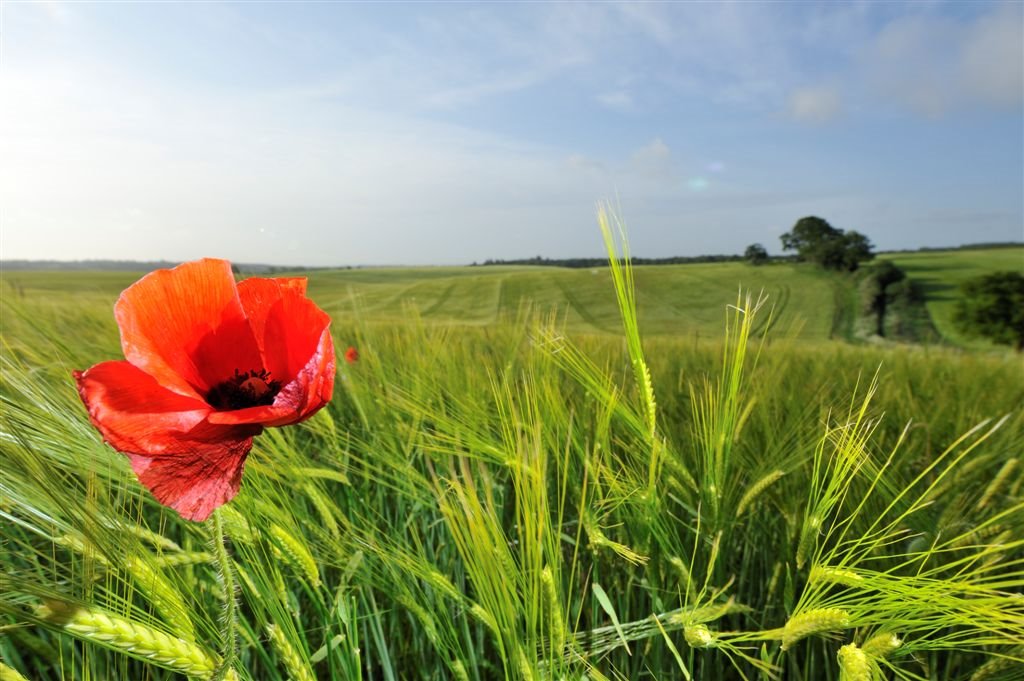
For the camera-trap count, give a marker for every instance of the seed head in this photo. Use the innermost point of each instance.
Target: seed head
(811, 622)
(853, 664)
(880, 645)
(699, 636)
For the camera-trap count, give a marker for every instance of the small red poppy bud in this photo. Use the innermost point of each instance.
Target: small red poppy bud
(351, 355)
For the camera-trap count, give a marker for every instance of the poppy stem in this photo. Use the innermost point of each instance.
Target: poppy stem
(226, 575)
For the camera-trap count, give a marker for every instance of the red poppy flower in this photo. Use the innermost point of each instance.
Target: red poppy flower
(209, 365)
(351, 355)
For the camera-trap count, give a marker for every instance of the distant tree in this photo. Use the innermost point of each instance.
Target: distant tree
(755, 254)
(808, 237)
(856, 249)
(845, 251)
(992, 306)
(878, 288)
(815, 240)
(887, 273)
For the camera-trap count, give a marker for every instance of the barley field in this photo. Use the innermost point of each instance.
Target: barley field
(534, 474)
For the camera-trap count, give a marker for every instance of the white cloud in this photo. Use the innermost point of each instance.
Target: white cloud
(653, 160)
(618, 100)
(586, 163)
(936, 64)
(815, 104)
(992, 58)
(461, 55)
(56, 11)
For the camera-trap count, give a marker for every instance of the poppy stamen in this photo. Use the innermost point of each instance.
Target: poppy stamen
(244, 389)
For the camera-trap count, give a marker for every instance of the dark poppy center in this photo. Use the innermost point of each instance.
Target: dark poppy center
(243, 390)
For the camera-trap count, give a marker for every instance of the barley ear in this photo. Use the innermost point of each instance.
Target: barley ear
(755, 491)
(699, 636)
(997, 483)
(881, 645)
(459, 670)
(556, 620)
(996, 667)
(822, 573)
(130, 637)
(296, 554)
(808, 539)
(297, 668)
(819, 621)
(853, 664)
(526, 670)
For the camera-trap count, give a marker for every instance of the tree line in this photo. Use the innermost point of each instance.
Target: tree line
(602, 262)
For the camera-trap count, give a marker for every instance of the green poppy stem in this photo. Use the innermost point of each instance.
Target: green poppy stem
(226, 574)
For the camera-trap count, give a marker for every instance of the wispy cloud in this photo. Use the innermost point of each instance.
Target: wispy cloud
(58, 12)
(618, 100)
(654, 160)
(815, 104)
(935, 64)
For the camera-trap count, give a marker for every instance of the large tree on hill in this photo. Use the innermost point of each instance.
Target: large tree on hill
(992, 306)
(815, 240)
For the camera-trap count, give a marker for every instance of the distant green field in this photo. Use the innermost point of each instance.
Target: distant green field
(684, 299)
(941, 272)
(673, 300)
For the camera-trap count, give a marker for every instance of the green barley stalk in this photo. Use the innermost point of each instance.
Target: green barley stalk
(719, 410)
(613, 229)
(164, 596)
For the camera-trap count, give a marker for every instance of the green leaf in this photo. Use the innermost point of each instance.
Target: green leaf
(606, 604)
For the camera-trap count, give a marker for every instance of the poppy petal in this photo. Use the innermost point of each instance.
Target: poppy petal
(286, 324)
(187, 463)
(194, 483)
(135, 413)
(296, 339)
(259, 295)
(186, 328)
(310, 390)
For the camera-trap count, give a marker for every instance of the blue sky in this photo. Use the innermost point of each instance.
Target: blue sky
(436, 133)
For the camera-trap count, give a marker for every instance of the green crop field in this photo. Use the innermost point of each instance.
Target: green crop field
(671, 299)
(521, 479)
(941, 273)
